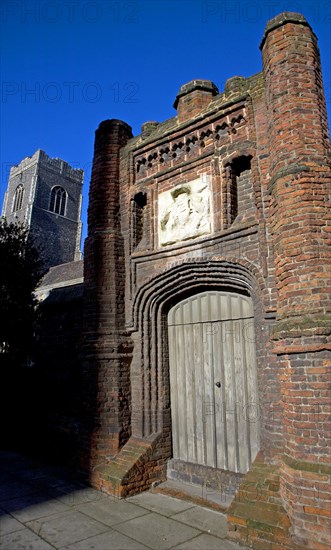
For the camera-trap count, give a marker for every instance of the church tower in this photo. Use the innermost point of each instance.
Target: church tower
(46, 194)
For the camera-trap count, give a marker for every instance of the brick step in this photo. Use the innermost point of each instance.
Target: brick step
(256, 515)
(254, 494)
(112, 478)
(268, 514)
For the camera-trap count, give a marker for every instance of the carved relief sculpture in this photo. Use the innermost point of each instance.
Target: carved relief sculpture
(184, 212)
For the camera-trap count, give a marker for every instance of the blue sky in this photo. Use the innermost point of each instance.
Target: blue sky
(66, 65)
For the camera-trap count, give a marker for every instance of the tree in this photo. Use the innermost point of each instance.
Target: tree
(21, 269)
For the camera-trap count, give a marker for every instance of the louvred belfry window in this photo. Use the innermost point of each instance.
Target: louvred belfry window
(18, 200)
(58, 201)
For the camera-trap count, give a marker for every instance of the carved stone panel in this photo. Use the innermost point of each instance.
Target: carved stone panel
(184, 211)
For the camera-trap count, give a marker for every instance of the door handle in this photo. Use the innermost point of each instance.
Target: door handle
(218, 384)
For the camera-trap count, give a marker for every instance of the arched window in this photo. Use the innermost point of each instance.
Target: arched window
(58, 201)
(18, 198)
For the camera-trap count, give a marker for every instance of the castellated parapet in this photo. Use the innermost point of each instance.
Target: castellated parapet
(58, 165)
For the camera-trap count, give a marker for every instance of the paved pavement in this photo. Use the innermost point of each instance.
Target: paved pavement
(43, 507)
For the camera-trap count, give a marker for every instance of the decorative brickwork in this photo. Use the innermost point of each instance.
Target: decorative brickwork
(230, 195)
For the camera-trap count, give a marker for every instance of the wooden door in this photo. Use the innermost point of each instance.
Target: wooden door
(214, 399)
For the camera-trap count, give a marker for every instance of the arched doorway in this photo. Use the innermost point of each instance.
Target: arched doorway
(214, 398)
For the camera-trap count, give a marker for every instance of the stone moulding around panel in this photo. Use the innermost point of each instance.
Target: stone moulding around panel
(184, 212)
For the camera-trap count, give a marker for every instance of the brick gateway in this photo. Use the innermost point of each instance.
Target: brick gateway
(228, 197)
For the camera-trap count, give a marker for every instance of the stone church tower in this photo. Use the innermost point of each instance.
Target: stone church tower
(46, 194)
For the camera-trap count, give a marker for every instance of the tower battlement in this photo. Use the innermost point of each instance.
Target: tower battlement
(57, 164)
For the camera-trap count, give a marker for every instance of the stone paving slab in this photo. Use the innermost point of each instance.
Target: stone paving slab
(76, 496)
(8, 524)
(207, 520)
(64, 529)
(13, 489)
(198, 492)
(33, 507)
(162, 504)
(39, 473)
(112, 512)
(56, 485)
(23, 540)
(156, 531)
(111, 540)
(208, 542)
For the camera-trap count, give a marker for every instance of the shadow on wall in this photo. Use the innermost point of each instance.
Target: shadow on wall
(41, 406)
